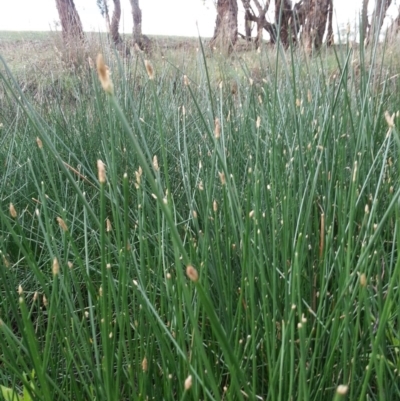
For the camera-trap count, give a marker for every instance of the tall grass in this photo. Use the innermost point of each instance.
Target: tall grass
(241, 243)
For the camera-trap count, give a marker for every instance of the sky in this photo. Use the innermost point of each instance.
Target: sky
(160, 17)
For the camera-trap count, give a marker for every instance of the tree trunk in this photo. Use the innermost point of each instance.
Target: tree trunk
(71, 24)
(395, 26)
(315, 23)
(114, 29)
(378, 16)
(260, 20)
(247, 19)
(138, 38)
(364, 21)
(329, 34)
(283, 14)
(226, 29)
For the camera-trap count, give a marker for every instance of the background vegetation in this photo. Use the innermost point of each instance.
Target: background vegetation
(242, 245)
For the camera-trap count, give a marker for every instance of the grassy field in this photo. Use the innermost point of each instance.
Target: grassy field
(208, 228)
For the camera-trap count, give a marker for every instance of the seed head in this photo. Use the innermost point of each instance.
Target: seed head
(192, 273)
(217, 128)
(101, 170)
(138, 175)
(149, 69)
(56, 267)
(13, 212)
(144, 364)
(342, 389)
(215, 206)
(39, 143)
(20, 290)
(5, 261)
(363, 280)
(155, 163)
(222, 178)
(104, 75)
(108, 225)
(186, 80)
(389, 119)
(45, 302)
(188, 382)
(62, 224)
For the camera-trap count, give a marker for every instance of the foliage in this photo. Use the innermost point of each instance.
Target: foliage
(242, 243)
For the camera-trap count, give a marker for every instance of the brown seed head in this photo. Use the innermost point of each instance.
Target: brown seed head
(188, 382)
(104, 75)
(6, 261)
(217, 128)
(149, 69)
(155, 163)
(56, 267)
(101, 170)
(39, 143)
(138, 175)
(62, 224)
(13, 212)
(144, 364)
(192, 273)
(342, 389)
(222, 178)
(389, 119)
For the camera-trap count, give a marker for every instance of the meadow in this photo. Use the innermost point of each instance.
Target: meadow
(199, 227)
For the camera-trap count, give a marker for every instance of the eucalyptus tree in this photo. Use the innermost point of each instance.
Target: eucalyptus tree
(71, 24)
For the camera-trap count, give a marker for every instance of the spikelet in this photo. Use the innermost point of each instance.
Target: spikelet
(62, 224)
(188, 382)
(217, 128)
(104, 75)
(39, 143)
(192, 273)
(144, 364)
(155, 163)
(101, 170)
(222, 178)
(13, 212)
(389, 119)
(56, 267)
(149, 69)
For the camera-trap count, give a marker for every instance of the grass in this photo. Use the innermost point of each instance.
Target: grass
(242, 244)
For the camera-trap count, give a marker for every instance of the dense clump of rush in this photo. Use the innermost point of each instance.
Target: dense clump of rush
(203, 228)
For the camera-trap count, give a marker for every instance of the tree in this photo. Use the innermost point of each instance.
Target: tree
(378, 16)
(283, 14)
(103, 6)
(259, 19)
(329, 34)
(141, 40)
(395, 26)
(226, 25)
(364, 20)
(114, 28)
(316, 18)
(71, 24)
